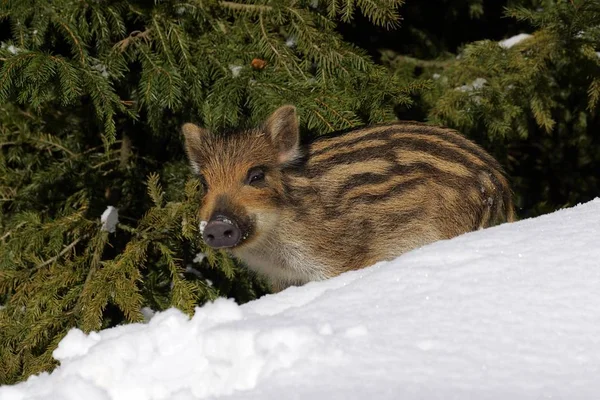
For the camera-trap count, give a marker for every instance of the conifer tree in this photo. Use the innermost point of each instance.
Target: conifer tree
(92, 95)
(532, 102)
(535, 104)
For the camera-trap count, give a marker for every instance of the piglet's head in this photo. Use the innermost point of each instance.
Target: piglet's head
(242, 177)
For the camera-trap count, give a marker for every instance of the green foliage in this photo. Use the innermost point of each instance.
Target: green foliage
(195, 56)
(57, 267)
(92, 95)
(538, 105)
(534, 105)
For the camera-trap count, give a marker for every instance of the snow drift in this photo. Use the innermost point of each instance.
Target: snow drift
(508, 312)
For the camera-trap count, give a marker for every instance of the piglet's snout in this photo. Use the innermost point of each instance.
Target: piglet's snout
(221, 232)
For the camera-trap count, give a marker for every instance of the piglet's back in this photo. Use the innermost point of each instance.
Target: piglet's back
(387, 189)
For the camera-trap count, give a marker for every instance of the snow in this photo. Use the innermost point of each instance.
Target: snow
(110, 219)
(514, 40)
(191, 270)
(290, 42)
(102, 69)
(510, 312)
(235, 70)
(202, 226)
(475, 85)
(147, 313)
(11, 48)
(199, 257)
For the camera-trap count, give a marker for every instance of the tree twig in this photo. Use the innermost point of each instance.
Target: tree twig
(125, 152)
(245, 7)
(100, 164)
(418, 62)
(7, 234)
(123, 44)
(62, 253)
(58, 146)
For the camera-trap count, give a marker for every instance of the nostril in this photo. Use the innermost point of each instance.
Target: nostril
(220, 234)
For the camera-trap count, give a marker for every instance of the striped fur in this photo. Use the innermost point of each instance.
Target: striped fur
(349, 200)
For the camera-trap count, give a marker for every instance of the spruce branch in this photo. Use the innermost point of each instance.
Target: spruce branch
(95, 263)
(133, 36)
(163, 42)
(266, 36)
(105, 162)
(324, 120)
(255, 8)
(404, 59)
(54, 143)
(16, 228)
(593, 94)
(68, 248)
(74, 39)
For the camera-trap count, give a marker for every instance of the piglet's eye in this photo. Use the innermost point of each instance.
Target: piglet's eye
(256, 176)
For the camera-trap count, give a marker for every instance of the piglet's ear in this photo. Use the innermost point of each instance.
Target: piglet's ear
(282, 127)
(194, 137)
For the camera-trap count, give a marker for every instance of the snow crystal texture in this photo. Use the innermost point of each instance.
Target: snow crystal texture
(514, 40)
(511, 312)
(110, 219)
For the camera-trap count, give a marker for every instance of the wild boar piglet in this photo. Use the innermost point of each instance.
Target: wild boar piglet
(298, 213)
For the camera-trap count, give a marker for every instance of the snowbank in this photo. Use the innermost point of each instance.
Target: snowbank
(512, 312)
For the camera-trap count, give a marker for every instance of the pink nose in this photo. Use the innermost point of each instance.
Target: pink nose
(220, 234)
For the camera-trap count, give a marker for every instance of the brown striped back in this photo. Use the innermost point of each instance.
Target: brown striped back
(376, 163)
